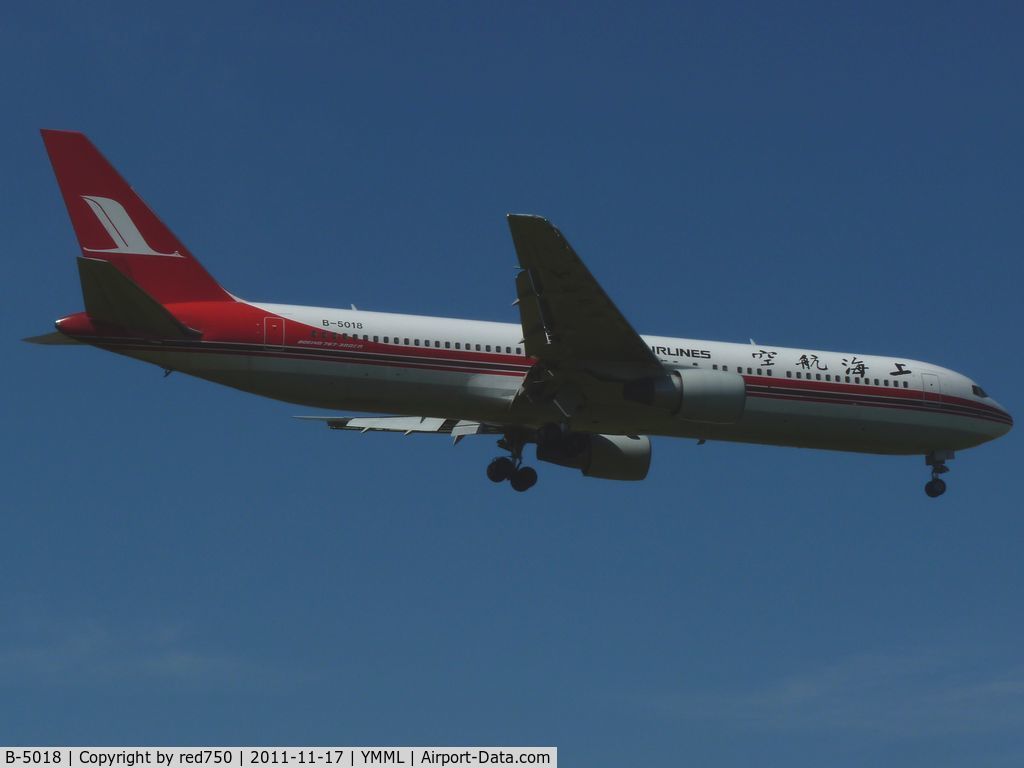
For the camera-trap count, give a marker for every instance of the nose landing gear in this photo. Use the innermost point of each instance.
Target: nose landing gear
(935, 487)
(511, 468)
(937, 461)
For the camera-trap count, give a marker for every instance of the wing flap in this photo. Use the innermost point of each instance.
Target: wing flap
(407, 425)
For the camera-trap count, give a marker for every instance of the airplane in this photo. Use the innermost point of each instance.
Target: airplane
(572, 377)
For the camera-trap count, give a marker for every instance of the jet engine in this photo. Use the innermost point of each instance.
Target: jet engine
(612, 457)
(694, 394)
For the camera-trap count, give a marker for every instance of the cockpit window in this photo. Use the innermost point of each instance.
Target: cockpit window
(978, 391)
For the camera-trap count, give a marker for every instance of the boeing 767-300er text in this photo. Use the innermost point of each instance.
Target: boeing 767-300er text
(572, 376)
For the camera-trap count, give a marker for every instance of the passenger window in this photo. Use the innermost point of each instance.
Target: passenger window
(519, 350)
(416, 342)
(847, 379)
(375, 339)
(386, 340)
(758, 370)
(447, 345)
(749, 371)
(715, 367)
(477, 347)
(789, 374)
(488, 348)
(725, 367)
(407, 341)
(817, 376)
(799, 375)
(905, 385)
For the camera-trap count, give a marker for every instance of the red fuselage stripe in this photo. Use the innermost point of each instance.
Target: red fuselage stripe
(834, 393)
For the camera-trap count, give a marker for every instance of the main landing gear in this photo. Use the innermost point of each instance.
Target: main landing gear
(937, 461)
(511, 468)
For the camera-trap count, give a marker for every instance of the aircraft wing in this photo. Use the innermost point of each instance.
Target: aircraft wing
(407, 425)
(568, 320)
(585, 348)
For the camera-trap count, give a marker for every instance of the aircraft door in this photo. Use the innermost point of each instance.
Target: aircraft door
(273, 332)
(930, 388)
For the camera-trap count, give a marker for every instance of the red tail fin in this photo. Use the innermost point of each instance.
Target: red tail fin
(114, 224)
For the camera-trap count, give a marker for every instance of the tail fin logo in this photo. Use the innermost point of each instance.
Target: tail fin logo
(121, 228)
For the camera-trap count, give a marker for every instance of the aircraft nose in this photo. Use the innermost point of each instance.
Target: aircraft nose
(1005, 424)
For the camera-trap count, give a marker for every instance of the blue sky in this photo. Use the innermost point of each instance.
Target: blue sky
(187, 564)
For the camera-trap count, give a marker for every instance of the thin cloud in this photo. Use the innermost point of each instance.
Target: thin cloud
(89, 652)
(886, 695)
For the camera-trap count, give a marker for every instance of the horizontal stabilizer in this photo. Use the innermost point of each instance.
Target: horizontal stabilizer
(52, 338)
(112, 298)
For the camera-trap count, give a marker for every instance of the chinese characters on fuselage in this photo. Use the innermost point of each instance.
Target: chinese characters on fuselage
(807, 362)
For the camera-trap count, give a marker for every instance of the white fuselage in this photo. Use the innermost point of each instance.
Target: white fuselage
(465, 369)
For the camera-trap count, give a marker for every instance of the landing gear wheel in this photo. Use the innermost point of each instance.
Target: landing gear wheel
(937, 461)
(501, 469)
(524, 479)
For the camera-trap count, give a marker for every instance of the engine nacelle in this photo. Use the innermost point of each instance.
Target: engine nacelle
(612, 457)
(693, 394)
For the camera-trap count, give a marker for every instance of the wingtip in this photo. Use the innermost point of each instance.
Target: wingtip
(54, 338)
(527, 216)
